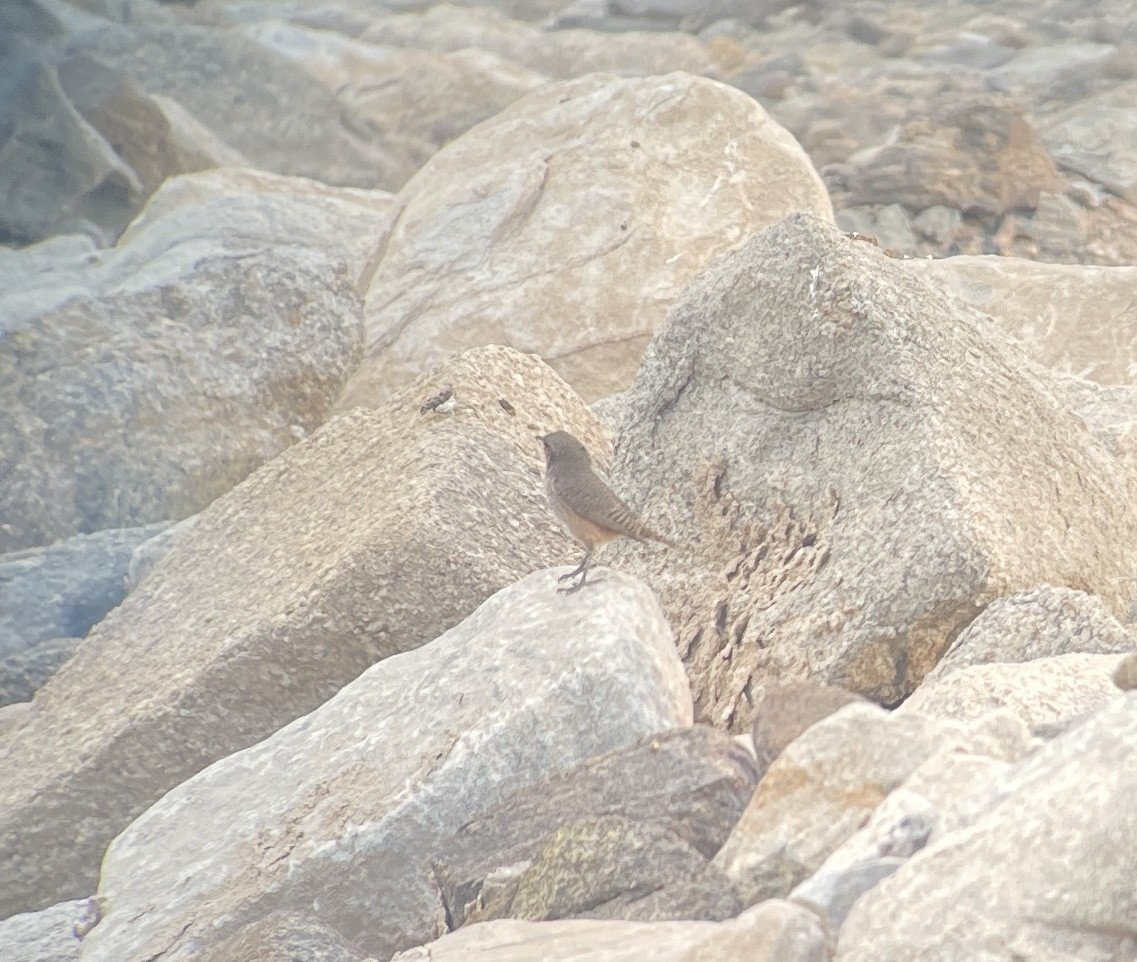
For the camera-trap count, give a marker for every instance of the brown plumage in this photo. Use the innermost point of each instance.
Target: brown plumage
(584, 504)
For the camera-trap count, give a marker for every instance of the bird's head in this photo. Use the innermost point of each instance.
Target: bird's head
(562, 448)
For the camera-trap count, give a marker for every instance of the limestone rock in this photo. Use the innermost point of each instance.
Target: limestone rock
(691, 784)
(372, 537)
(1046, 873)
(771, 932)
(50, 935)
(1036, 623)
(346, 806)
(818, 792)
(786, 711)
(1044, 692)
(141, 383)
(875, 461)
(1076, 319)
(576, 245)
(54, 594)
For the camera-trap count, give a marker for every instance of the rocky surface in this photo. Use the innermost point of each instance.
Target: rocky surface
(815, 426)
(52, 934)
(1037, 623)
(370, 538)
(339, 711)
(664, 807)
(997, 890)
(576, 245)
(774, 931)
(50, 598)
(145, 381)
(372, 780)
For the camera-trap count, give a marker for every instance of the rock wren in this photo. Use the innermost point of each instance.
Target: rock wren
(584, 504)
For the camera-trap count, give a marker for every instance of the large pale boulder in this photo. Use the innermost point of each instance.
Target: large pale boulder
(140, 383)
(372, 537)
(1076, 319)
(575, 245)
(344, 808)
(774, 931)
(1045, 873)
(856, 465)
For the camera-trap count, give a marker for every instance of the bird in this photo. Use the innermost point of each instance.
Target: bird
(584, 504)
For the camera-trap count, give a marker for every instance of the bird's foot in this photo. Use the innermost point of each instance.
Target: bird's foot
(571, 588)
(568, 577)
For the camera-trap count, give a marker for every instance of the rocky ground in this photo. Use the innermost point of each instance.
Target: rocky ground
(841, 297)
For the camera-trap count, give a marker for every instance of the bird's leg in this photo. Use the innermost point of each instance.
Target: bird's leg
(581, 569)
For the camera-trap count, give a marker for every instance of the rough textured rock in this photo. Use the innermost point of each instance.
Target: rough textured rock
(575, 247)
(1036, 623)
(269, 109)
(1076, 319)
(360, 792)
(771, 932)
(1046, 873)
(282, 937)
(370, 538)
(786, 711)
(875, 462)
(1044, 692)
(49, 935)
(612, 867)
(818, 792)
(54, 594)
(691, 784)
(147, 380)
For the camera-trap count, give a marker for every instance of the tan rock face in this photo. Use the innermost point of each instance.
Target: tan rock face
(872, 460)
(368, 539)
(576, 245)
